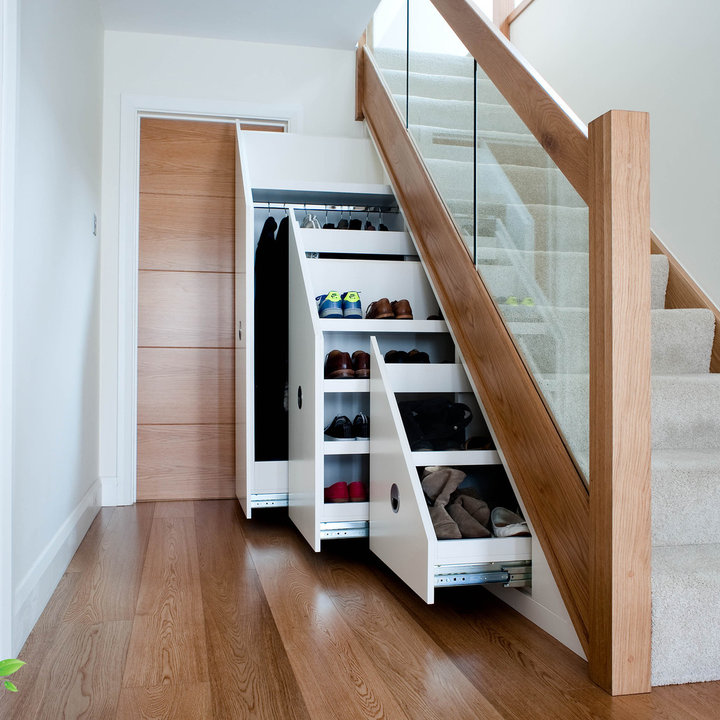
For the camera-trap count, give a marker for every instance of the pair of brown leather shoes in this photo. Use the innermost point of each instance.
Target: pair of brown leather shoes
(383, 308)
(339, 364)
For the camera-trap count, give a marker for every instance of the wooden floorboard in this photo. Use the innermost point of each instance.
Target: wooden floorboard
(346, 682)
(187, 611)
(166, 702)
(401, 650)
(168, 636)
(111, 582)
(250, 673)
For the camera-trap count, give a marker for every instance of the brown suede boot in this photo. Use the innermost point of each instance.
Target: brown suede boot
(439, 483)
(445, 527)
(470, 523)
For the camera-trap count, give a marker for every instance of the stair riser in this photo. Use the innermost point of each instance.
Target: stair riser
(685, 615)
(680, 495)
(427, 63)
(553, 228)
(563, 278)
(458, 115)
(686, 411)
(534, 186)
(442, 87)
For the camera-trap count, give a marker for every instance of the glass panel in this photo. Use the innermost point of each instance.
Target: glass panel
(532, 253)
(441, 108)
(388, 41)
(522, 222)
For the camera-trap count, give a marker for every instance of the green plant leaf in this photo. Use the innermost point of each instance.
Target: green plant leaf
(10, 686)
(8, 667)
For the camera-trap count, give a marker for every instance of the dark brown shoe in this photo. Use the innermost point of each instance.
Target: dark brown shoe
(401, 310)
(379, 310)
(418, 356)
(361, 364)
(338, 365)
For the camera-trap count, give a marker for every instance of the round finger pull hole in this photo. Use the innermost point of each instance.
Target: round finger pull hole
(394, 498)
(299, 397)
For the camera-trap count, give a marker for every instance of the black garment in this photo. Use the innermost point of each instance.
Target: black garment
(271, 342)
(435, 423)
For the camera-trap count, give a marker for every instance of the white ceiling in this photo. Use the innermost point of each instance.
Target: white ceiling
(315, 23)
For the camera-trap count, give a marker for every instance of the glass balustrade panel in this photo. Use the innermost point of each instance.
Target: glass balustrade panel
(388, 38)
(532, 253)
(524, 225)
(441, 110)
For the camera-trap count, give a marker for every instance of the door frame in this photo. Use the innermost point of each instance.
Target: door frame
(133, 108)
(8, 109)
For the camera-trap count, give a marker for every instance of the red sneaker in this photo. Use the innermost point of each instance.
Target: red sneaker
(337, 493)
(357, 491)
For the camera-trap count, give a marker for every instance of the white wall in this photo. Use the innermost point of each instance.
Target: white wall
(316, 85)
(56, 293)
(654, 55)
(8, 80)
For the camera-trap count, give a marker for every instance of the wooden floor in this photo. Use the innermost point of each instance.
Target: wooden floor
(187, 611)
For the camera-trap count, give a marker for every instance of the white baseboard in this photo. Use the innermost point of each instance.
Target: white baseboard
(559, 627)
(35, 589)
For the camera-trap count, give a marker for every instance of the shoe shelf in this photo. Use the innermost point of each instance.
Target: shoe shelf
(345, 512)
(356, 242)
(414, 378)
(383, 326)
(346, 447)
(375, 264)
(346, 385)
(456, 457)
(400, 529)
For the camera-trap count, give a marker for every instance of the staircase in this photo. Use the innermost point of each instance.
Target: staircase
(532, 242)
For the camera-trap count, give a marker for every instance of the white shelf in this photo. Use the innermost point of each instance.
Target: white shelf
(345, 512)
(482, 550)
(456, 457)
(357, 242)
(346, 385)
(346, 447)
(383, 326)
(427, 377)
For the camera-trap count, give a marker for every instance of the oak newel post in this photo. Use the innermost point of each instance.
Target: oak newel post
(620, 540)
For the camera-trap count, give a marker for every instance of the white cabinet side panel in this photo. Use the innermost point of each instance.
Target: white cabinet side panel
(404, 540)
(305, 477)
(244, 345)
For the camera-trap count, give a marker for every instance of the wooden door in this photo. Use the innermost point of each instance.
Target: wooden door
(186, 356)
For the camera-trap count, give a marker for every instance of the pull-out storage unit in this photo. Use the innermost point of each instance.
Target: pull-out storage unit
(376, 264)
(401, 531)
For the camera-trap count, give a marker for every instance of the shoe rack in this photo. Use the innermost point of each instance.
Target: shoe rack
(399, 521)
(377, 264)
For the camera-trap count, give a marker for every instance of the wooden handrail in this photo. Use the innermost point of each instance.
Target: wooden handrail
(548, 118)
(553, 490)
(502, 9)
(516, 13)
